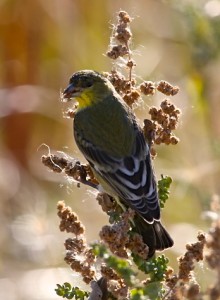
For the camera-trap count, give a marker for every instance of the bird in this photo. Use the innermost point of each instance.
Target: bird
(108, 135)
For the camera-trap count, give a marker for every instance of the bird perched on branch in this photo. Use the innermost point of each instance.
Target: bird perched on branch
(109, 137)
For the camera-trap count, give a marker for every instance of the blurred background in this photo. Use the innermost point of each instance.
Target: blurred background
(41, 44)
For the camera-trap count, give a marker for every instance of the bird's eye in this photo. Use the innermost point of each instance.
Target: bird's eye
(88, 84)
(85, 83)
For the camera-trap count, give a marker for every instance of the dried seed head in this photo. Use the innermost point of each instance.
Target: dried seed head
(165, 119)
(149, 131)
(147, 88)
(124, 17)
(107, 202)
(76, 245)
(187, 261)
(109, 273)
(69, 220)
(137, 246)
(174, 140)
(167, 89)
(122, 33)
(116, 51)
(167, 106)
(131, 97)
(131, 63)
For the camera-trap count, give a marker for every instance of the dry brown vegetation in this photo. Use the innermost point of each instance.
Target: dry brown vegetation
(42, 43)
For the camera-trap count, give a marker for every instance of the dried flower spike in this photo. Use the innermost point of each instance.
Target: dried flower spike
(166, 120)
(167, 89)
(122, 32)
(116, 51)
(107, 202)
(69, 220)
(147, 88)
(124, 17)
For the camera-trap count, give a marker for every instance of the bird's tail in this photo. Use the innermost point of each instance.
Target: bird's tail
(154, 235)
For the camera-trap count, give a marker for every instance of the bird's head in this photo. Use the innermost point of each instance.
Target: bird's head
(87, 87)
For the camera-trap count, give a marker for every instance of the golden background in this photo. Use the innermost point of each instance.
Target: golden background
(41, 44)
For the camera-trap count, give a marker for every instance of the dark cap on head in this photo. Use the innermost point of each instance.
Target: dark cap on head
(86, 78)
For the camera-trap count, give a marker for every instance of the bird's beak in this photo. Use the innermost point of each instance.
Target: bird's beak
(70, 92)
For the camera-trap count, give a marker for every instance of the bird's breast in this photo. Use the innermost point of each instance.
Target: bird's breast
(109, 128)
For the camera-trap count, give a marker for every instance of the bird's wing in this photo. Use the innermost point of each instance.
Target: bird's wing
(132, 178)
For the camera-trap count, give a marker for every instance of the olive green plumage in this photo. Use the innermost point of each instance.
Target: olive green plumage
(107, 133)
(107, 116)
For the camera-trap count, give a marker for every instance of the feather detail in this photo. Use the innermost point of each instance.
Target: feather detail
(130, 177)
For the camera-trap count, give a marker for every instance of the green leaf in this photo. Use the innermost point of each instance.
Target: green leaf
(99, 250)
(151, 291)
(69, 292)
(154, 267)
(122, 268)
(163, 189)
(154, 290)
(120, 265)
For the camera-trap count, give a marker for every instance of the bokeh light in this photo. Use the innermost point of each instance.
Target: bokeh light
(42, 43)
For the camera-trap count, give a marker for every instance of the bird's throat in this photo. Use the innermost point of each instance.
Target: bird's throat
(85, 99)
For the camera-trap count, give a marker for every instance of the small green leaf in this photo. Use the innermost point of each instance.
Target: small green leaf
(163, 189)
(99, 250)
(69, 292)
(155, 267)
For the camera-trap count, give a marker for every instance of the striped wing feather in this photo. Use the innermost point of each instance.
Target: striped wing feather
(131, 178)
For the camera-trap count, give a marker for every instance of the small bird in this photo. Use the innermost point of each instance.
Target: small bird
(108, 135)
